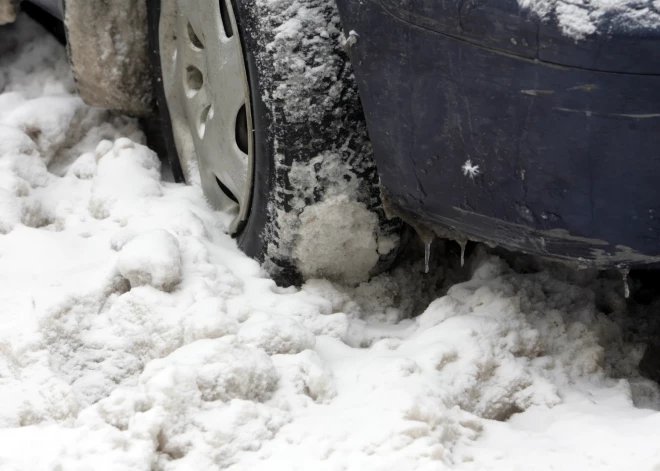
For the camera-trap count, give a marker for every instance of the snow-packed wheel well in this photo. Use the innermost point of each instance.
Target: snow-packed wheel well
(108, 49)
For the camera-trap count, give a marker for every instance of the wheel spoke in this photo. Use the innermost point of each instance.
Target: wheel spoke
(197, 15)
(192, 58)
(196, 112)
(225, 159)
(216, 195)
(235, 165)
(189, 54)
(226, 78)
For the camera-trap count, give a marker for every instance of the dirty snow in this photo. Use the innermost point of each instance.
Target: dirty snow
(134, 335)
(581, 18)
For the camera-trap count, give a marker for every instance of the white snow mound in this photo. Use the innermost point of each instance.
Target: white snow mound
(152, 259)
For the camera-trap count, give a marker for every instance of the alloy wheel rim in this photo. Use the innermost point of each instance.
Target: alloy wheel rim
(208, 96)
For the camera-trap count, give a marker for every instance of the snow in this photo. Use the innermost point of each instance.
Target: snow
(470, 170)
(152, 258)
(325, 254)
(580, 18)
(134, 335)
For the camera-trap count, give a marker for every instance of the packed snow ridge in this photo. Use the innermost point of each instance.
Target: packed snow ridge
(134, 335)
(580, 18)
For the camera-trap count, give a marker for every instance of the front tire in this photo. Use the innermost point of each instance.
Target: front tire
(310, 206)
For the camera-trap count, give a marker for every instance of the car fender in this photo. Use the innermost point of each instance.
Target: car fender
(108, 49)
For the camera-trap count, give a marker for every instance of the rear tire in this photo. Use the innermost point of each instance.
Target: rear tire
(314, 207)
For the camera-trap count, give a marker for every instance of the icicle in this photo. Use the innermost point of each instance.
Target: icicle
(462, 243)
(427, 256)
(624, 276)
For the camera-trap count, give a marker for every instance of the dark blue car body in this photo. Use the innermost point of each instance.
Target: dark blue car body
(565, 132)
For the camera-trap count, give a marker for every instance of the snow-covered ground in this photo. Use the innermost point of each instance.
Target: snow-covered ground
(135, 336)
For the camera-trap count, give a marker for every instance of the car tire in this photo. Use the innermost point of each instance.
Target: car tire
(314, 208)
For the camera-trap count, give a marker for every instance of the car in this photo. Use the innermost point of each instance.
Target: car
(320, 125)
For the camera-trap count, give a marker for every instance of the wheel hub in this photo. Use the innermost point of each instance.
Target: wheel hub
(208, 97)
